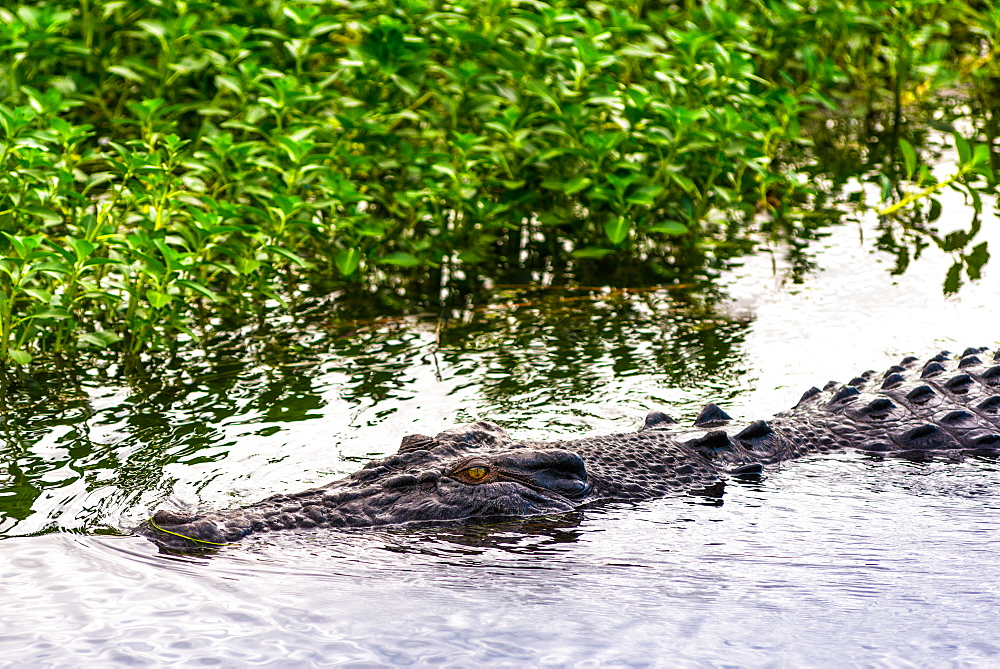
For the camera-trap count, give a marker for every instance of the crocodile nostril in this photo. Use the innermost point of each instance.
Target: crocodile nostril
(553, 469)
(572, 487)
(570, 463)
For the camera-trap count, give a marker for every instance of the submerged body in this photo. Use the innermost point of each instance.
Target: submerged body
(949, 405)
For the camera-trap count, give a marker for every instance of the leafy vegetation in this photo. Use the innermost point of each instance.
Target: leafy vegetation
(168, 164)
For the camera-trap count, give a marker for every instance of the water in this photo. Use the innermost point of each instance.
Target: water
(826, 562)
(829, 563)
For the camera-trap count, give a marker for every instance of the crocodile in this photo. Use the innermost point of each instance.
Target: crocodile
(948, 406)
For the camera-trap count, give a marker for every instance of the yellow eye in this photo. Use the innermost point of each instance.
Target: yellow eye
(472, 472)
(476, 473)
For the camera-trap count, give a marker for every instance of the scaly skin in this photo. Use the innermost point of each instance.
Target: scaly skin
(948, 406)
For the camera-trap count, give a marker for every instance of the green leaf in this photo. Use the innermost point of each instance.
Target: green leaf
(400, 258)
(964, 150)
(16, 242)
(370, 230)
(213, 111)
(51, 314)
(230, 83)
(81, 247)
(45, 213)
(169, 254)
(18, 357)
(925, 177)
(52, 267)
(986, 171)
(158, 299)
(592, 252)
(102, 261)
(445, 169)
(199, 288)
(545, 93)
(347, 261)
(154, 28)
(43, 296)
(99, 339)
(285, 253)
(406, 86)
(471, 257)
(617, 230)
(646, 195)
(575, 185)
(955, 240)
(544, 155)
(246, 265)
(684, 182)
(669, 228)
(981, 154)
(126, 73)
(909, 157)
(886, 184)
(977, 201)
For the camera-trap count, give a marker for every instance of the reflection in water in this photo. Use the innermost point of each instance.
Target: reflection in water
(523, 535)
(113, 447)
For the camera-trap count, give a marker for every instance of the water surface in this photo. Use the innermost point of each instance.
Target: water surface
(826, 562)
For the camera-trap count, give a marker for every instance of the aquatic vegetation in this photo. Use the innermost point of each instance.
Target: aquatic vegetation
(166, 166)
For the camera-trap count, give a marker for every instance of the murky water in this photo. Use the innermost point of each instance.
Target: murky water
(826, 562)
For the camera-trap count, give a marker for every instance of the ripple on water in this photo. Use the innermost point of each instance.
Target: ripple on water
(843, 551)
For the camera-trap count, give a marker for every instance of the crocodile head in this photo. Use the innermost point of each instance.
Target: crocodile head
(473, 471)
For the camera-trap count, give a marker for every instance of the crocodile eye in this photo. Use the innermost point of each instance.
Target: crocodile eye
(476, 473)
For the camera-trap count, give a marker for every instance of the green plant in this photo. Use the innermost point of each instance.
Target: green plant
(165, 166)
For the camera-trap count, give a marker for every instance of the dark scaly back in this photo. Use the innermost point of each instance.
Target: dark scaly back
(949, 405)
(664, 457)
(646, 465)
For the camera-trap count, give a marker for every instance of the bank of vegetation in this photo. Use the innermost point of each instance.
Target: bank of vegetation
(166, 166)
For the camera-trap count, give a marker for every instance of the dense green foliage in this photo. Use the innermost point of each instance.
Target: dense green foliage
(165, 162)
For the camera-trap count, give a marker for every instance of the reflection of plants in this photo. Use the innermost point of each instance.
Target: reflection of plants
(973, 176)
(167, 164)
(972, 161)
(177, 419)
